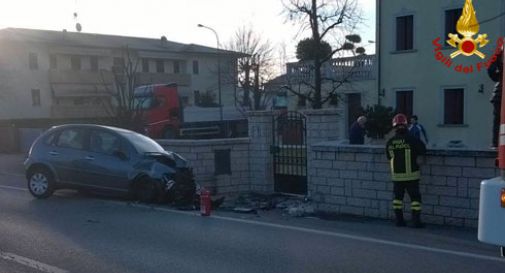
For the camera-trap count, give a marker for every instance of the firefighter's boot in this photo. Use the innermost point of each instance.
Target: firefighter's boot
(416, 219)
(399, 221)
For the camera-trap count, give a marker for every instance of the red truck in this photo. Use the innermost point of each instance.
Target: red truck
(164, 116)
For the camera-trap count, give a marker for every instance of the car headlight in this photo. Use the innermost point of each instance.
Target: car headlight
(168, 182)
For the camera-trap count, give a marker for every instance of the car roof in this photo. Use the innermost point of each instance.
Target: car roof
(91, 126)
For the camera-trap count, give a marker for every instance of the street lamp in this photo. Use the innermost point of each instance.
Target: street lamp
(218, 70)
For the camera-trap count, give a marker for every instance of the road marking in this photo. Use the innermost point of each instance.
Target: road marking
(330, 233)
(31, 263)
(308, 230)
(13, 188)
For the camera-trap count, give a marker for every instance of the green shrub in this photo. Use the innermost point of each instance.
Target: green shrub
(379, 120)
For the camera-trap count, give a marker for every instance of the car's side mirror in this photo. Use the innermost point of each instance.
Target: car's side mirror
(120, 154)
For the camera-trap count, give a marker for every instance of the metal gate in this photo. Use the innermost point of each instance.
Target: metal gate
(289, 153)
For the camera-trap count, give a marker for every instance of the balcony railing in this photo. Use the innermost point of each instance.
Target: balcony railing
(80, 77)
(359, 68)
(153, 78)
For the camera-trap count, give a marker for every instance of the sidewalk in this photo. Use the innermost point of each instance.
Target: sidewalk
(12, 163)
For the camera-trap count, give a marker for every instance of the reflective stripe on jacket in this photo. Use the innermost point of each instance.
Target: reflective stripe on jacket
(402, 151)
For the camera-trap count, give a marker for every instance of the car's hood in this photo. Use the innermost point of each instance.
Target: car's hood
(170, 159)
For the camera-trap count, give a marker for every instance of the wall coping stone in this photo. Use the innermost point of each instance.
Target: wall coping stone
(321, 112)
(203, 142)
(336, 146)
(260, 113)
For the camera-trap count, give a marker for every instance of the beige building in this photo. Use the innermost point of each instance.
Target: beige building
(48, 76)
(453, 106)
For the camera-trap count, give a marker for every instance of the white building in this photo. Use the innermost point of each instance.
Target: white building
(48, 77)
(453, 106)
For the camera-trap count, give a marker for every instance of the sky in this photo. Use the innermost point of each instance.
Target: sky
(175, 19)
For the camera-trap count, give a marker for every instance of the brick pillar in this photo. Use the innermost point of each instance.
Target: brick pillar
(322, 125)
(260, 134)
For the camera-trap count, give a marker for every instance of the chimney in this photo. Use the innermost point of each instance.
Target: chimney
(163, 41)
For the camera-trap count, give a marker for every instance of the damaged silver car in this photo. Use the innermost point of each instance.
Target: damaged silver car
(94, 157)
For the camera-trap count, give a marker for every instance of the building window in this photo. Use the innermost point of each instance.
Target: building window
(334, 99)
(451, 20)
(197, 97)
(160, 66)
(177, 67)
(454, 106)
(405, 33)
(33, 61)
(53, 63)
(196, 68)
(118, 62)
(222, 162)
(75, 62)
(405, 102)
(94, 63)
(145, 65)
(36, 97)
(302, 101)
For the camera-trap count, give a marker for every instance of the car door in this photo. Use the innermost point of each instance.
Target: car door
(107, 163)
(65, 153)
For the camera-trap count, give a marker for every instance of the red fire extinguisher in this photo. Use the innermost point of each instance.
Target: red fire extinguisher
(205, 203)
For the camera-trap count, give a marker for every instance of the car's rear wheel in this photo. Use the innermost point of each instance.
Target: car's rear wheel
(146, 190)
(41, 183)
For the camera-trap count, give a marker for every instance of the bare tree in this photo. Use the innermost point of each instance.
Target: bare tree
(255, 69)
(325, 19)
(124, 109)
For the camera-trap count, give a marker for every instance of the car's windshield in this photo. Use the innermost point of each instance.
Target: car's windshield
(142, 143)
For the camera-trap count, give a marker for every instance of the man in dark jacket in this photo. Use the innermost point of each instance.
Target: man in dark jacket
(357, 131)
(402, 151)
(495, 72)
(417, 130)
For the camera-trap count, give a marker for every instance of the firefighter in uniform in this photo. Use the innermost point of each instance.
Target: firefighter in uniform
(402, 151)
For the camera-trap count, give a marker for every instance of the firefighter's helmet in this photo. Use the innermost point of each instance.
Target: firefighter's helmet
(400, 119)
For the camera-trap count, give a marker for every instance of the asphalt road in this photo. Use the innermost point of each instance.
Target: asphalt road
(70, 232)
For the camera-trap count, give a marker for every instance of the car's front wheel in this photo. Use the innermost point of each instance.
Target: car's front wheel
(40, 183)
(147, 191)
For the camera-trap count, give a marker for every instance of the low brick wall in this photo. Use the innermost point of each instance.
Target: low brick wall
(201, 156)
(356, 180)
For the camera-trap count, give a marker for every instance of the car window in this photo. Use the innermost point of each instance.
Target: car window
(104, 142)
(71, 138)
(49, 140)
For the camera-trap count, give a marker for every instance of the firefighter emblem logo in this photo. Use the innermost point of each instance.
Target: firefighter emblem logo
(468, 27)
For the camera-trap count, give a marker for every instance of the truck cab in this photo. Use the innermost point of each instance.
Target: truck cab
(160, 108)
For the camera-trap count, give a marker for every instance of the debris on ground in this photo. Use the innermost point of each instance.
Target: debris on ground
(244, 210)
(253, 202)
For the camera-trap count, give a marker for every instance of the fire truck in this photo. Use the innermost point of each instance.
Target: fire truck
(492, 195)
(164, 116)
